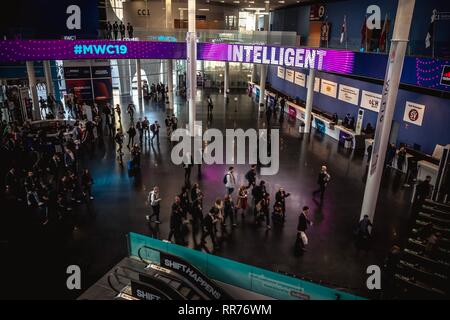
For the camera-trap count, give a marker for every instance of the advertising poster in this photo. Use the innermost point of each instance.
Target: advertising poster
(289, 75)
(292, 112)
(414, 113)
(348, 94)
(102, 89)
(370, 100)
(328, 88)
(280, 72)
(81, 88)
(299, 79)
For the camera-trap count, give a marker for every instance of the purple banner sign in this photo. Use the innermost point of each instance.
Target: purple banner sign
(340, 61)
(23, 50)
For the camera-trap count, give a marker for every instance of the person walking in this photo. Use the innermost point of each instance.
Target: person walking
(210, 105)
(146, 128)
(119, 140)
(119, 112)
(280, 197)
(322, 180)
(242, 201)
(228, 211)
(140, 129)
(131, 134)
(130, 30)
(122, 30)
(230, 180)
(208, 228)
(109, 28)
(153, 200)
(187, 165)
(250, 176)
(176, 220)
(154, 128)
(363, 233)
(115, 29)
(168, 123)
(130, 109)
(282, 105)
(302, 226)
(86, 184)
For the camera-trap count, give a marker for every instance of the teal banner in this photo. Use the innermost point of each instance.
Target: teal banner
(264, 282)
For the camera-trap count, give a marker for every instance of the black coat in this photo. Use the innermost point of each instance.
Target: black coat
(303, 222)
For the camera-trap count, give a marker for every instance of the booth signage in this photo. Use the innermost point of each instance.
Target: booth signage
(289, 75)
(414, 113)
(280, 72)
(144, 292)
(445, 78)
(370, 100)
(299, 78)
(328, 88)
(348, 94)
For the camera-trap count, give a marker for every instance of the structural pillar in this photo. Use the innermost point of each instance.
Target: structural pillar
(394, 68)
(309, 99)
(139, 79)
(262, 84)
(170, 83)
(124, 76)
(34, 95)
(48, 78)
(226, 79)
(254, 66)
(191, 64)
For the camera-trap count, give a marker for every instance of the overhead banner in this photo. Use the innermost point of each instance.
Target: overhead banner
(328, 88)
(289, 75)
(348, 94)
(414, 113)
(280, 72)
(370, 100)
(299, 78)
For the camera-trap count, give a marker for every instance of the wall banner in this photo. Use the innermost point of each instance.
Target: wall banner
(299, 79)
(370, 100)
(348, 94)
(280, 72)
(328, 88)
(289, 75)
(414, 113)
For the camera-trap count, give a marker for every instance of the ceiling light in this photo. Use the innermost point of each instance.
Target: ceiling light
(236, 1)
(203, 9)
(282, 1)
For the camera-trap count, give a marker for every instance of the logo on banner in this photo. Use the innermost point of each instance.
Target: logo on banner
(414, 113)
(445, 78)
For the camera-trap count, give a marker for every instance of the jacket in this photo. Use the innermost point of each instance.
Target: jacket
(231, 181)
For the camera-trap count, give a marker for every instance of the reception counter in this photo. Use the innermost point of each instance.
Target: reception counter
(319, 122)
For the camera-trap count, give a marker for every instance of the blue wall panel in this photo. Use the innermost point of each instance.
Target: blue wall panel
(435, 127)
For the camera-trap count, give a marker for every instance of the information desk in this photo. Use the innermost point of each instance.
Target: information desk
(320, 123)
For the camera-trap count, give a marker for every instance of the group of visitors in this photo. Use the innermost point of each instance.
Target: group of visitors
(113, 30)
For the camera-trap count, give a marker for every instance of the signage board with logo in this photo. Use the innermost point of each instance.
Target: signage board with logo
(348, 94)
(328, 88)
(445, 78)
(370, 100)
(299, 78)
(414, 113)
(289, 75)
(316, 12)
(143, 292)
(280, 72)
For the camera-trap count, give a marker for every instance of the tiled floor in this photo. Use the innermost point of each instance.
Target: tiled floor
(34, 258)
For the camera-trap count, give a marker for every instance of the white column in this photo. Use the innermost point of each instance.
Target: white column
(48, 78)
(266, 18)
(34, 95)
(262, 84)
(394, 68)
(170, 82)
(169, 19)
(254, 66)
(226, 79)
(191, 65)
(309, 99)
(124, 76)
(139, 79)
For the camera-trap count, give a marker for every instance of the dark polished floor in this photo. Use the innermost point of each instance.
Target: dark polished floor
(34, 258)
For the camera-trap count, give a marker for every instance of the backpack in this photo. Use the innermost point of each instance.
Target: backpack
(152, 127)
(225, 179)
